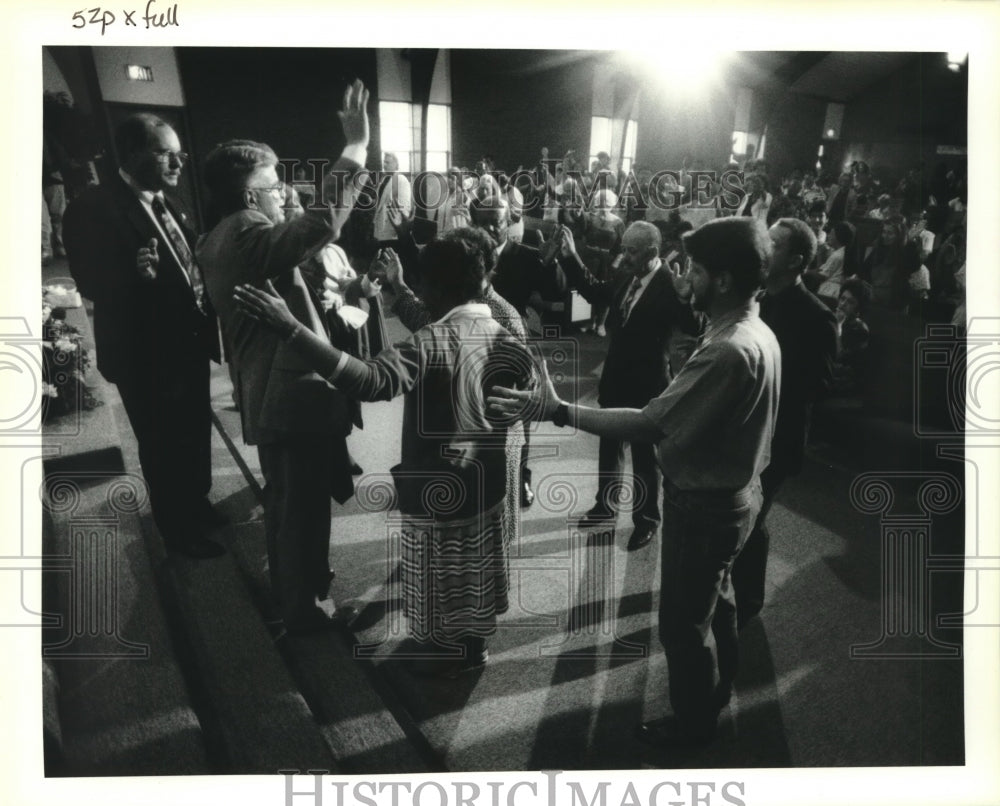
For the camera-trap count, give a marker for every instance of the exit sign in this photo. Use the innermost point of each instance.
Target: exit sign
(138, 72)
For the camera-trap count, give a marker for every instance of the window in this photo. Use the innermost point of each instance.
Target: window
(398, 133)
(438, 137)
(601, 136)
(628, 152)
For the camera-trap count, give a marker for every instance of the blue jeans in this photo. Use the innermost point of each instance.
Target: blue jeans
(703, 531)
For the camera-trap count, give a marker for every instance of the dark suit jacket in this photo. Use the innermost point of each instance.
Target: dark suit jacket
(807, 334)
(640, 360)
(520, 272)
(137, 323)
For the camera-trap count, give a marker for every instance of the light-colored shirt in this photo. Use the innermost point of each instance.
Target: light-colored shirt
(145, 198)
(718, 415)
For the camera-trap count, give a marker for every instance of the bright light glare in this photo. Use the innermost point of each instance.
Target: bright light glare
(681, 70)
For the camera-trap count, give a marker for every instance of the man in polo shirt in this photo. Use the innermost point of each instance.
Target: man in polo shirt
(713, 425)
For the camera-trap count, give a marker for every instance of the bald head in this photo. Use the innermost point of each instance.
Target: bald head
(640, 245)
(489, 212)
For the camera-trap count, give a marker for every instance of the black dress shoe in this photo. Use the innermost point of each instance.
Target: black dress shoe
(722, 695)
(596, 517)
(208, 516)
(670, 732)
(641, 535)
(197, 548)
(527, 495)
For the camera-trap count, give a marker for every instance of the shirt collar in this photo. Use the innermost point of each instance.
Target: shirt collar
(728, 320)
(144, 195)
(651, 268)
(471, 309)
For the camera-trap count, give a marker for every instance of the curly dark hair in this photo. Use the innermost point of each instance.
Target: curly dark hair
(458, 263)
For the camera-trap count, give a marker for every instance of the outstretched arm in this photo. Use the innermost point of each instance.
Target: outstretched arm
(393, 372)
(542, 402)
(268, 308)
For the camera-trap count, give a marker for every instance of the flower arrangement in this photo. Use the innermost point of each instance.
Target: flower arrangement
(64, 367)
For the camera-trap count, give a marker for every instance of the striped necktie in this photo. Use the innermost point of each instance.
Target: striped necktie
(633, 289)
(181, 249)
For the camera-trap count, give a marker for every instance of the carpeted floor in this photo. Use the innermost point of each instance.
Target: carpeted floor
(575, 664)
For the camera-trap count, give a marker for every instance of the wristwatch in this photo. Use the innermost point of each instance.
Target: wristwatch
(560, 416)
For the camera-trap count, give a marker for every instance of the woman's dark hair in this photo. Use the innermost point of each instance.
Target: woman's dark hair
(738, 245)
(457, 263)
(860, 290)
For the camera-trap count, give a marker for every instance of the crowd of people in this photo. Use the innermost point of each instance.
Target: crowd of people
(716, 352)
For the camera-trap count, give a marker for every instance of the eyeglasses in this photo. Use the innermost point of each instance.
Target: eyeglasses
(278, 189)
(166, 156)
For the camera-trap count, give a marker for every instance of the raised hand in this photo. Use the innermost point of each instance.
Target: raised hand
(567, 245)
(147, 260)
(547, 249)
(393, 268)
(682, 281)
(400, 221)
(354, 115)
(266, 307)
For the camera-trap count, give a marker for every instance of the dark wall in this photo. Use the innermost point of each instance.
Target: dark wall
(794, 132)
(286, 97)
(510, 103)
(903, 118)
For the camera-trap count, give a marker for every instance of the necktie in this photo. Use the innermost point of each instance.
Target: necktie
(181, 249)
(633, 289)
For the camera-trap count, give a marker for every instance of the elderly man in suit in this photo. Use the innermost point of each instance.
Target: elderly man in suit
(297, 420)
(651, 333)
(130, 251)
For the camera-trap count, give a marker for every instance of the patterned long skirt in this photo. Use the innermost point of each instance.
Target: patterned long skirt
(456, 573)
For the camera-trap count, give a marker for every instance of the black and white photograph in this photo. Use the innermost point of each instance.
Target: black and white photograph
(462, 417)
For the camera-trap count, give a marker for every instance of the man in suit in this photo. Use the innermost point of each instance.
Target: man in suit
(807, 335)
(519, 274)
(130, 251)
(297, 420)
(645, 318)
